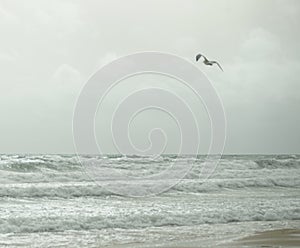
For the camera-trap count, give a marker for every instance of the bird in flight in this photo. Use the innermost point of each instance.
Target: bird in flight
(206, 61)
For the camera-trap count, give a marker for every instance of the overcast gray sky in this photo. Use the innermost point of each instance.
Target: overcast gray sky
(48, 50)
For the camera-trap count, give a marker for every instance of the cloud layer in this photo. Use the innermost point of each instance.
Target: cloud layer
(48, 50)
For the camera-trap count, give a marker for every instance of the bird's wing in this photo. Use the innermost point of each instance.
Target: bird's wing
(215, 62)
(198, 56)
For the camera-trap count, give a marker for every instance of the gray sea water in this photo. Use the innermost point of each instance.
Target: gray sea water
(49, 201)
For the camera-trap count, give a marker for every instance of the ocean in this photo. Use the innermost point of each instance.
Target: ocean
(50, 201)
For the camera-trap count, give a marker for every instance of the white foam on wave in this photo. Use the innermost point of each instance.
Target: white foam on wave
(50, 193)
(98, 214)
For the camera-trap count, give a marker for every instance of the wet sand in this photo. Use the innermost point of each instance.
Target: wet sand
(273, 238)
(281, 237)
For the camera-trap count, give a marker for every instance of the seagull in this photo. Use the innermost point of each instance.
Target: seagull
(206, 61)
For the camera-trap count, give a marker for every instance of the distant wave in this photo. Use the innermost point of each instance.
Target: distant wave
(63, 176)
(86, 189)
(35, 163)
(278, 163)
(63, 190)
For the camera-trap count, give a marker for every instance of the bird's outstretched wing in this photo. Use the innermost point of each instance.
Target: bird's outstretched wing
(215, 62)
(199, 56)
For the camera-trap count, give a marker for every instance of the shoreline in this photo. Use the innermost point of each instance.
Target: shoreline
(285, 237)
(279, 237)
